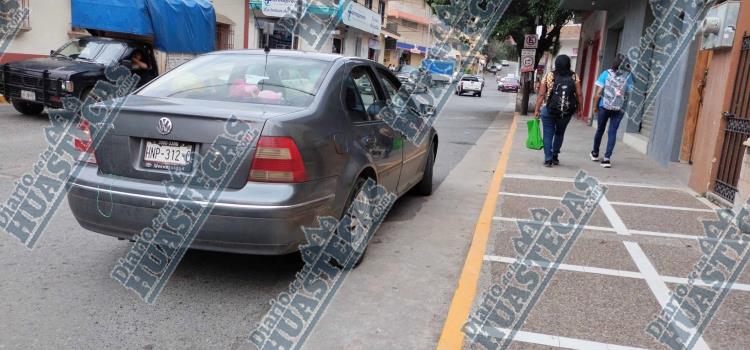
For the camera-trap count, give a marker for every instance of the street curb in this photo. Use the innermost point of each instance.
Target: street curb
(452, 336)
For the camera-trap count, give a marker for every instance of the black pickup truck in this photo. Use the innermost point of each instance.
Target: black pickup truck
(72, 70)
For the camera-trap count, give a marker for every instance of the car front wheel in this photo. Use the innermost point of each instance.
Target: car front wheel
(28, 108)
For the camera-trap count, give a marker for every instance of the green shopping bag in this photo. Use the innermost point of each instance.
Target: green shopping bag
(534, 140)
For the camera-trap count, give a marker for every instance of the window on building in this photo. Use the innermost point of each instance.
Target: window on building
(381, 11)
(368, 4)
(224, 36)
(338, 46)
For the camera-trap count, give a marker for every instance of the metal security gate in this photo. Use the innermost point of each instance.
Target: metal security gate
(737, 129)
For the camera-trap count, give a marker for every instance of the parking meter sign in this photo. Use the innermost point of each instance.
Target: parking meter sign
(527, 60)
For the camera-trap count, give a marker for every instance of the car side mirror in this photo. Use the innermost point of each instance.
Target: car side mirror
(127, 63)
(51, 52)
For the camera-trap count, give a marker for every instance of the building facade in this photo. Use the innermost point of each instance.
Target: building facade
(239, 24)
(720, 120)
(412, 20)
(613, 27)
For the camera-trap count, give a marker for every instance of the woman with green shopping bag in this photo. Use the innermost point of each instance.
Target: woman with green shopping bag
(560, 93)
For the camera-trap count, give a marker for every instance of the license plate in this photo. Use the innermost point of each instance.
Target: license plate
(28, 95)
(162, 154)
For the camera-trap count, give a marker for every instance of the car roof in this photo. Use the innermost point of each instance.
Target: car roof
(283, 53)
(327, 57)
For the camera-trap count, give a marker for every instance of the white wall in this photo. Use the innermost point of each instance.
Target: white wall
(234, 11)
(50, 24)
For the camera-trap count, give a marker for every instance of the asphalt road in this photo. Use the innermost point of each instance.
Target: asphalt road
(60, 294)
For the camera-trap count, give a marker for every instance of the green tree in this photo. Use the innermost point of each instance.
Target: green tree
(521, 18)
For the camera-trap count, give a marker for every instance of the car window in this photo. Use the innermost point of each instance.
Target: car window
(390, 86)
(360, 93)
(365, 85)
(469, 79)
(289, 81)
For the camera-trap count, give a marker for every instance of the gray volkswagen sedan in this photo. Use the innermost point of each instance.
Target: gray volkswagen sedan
(321, 136)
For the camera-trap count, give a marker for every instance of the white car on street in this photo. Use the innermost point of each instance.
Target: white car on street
(469, 84)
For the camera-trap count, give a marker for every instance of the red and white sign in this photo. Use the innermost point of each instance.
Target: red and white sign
(530, 41)
(527, 60)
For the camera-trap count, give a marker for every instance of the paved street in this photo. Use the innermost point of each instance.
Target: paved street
(61, 293)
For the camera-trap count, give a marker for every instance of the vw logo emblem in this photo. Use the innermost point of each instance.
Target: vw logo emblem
(164, 126)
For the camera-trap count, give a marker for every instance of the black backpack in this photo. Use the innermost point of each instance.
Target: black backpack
(563, 99)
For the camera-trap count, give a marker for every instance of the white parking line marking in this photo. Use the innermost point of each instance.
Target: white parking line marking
(695, 237)
(655, 282)
(613, 218)
(553, 340)
(629, 204)
(568, 267)
(651, 276)
(566, 179)
(608, 272)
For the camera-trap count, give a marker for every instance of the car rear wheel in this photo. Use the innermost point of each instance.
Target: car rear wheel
(358, 185)
(424, 187)
(28, 108)
(479, 94)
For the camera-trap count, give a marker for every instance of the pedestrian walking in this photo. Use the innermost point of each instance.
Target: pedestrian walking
(558, 99)
(612, 89)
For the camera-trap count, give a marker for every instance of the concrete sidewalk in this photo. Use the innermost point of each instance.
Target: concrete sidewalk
(639, 244)
(628, 165)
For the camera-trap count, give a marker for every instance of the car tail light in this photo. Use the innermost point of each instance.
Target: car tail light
(83, 144)
(277, 159)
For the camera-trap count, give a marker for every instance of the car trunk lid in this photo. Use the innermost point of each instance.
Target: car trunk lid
(140, 147)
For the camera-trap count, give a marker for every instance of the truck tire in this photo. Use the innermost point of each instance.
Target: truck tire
(28, 108)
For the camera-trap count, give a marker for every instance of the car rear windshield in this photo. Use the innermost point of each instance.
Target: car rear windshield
(289, 81)
(469, 79)
(510, 81)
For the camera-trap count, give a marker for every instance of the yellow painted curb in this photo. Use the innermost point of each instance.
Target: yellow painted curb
(2, 99)
(452, 337)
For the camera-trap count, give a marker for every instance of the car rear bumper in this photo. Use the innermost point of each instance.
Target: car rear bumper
(240, 222)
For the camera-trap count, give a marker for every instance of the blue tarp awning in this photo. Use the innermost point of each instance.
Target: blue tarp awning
(124, 16)
(186, 26)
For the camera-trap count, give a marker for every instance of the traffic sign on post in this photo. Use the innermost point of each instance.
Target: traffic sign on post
(527, 60)
(530, 41)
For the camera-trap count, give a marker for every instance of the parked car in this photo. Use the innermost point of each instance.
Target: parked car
(508, 84)
(71, 70)
(494, 68)
(403, 72)
(469, 84)
(321, 136)
(505, 63)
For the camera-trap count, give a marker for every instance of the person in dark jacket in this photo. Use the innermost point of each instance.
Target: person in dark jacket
(555, 119)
